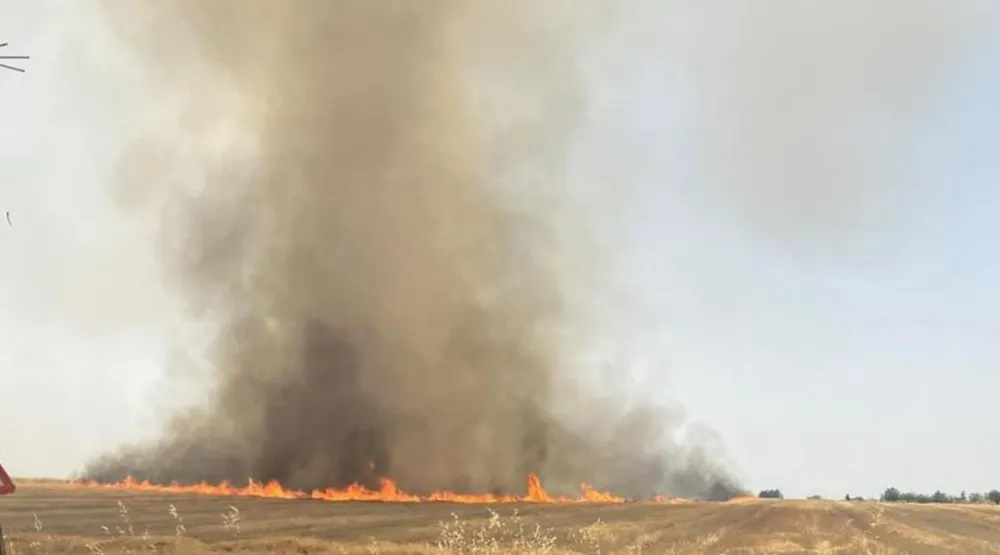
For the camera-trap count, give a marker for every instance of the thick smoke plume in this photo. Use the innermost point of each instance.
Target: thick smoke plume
(388, 263)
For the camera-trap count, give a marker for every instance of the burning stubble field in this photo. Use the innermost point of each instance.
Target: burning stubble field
(61, 518)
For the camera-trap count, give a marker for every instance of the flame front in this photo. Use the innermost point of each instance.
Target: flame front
(389, 492)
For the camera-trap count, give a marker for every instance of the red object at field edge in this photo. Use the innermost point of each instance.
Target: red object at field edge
(6, 484)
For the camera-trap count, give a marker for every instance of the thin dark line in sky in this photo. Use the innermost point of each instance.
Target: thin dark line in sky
(6, 66)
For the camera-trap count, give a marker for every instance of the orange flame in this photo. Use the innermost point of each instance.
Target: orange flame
(389, 492)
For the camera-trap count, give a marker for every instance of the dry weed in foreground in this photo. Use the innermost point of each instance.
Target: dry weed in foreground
(495, 536)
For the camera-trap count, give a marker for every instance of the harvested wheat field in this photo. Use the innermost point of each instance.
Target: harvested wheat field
(57, 518)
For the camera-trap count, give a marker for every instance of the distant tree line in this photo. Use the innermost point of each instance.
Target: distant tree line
(894, 495)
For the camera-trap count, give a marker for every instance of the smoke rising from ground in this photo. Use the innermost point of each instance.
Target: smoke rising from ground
(390, 265)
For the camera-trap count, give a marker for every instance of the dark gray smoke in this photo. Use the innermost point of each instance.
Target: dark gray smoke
(388, 262)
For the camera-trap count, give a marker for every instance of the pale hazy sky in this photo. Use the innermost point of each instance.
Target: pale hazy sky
(831, 353)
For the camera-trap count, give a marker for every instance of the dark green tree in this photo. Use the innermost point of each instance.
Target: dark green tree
(770, 494)
(892, 495)
(940, 497)
(993, 496)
